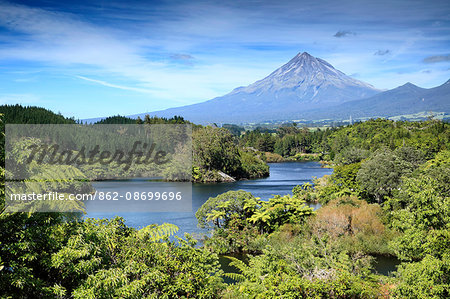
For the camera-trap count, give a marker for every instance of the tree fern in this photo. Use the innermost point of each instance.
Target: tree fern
(235, 276)
(155, 233)
(237, 263)
(245, 271)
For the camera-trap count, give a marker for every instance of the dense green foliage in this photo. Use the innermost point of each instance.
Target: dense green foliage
(117, 119)
(381, 174)
(288, 141)
(234, 129)
(17, 114)
(237, 217)
(215, 150)
(353, 143)
(100, 259)
(388, 194)
(121, 120)
(303, 268)
(421, 212)
(162, 120)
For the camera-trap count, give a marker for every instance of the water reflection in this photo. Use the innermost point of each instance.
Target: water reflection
(283, 177)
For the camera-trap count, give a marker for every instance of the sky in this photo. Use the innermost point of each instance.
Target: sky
(95, 58)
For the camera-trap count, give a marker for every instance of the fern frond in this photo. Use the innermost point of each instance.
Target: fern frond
(238, 264)
(235, 276)
(156, 233)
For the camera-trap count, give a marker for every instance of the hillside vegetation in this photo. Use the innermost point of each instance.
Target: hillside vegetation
(388, 195)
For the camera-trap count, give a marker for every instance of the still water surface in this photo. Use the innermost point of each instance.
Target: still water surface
(283, 177)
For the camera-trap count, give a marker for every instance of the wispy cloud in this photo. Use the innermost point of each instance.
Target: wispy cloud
(104, 83)
(437, 58)
(215, 46)
(382, 52)
(181, 57)
(185, 59)
(344, 33)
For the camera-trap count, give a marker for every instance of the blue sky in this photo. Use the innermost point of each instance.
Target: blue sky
(98, 58)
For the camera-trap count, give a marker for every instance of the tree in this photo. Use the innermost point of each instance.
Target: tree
(303, 268)
(279, 210)
(102, 259)
(351, 155)
(421, 211)
(266, 143)
(118, 119)
(218, 211)
(214, 148)
(381, 174)
(428, 278)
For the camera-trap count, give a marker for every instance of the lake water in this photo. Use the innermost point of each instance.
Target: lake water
(385, 265)
(283, 177)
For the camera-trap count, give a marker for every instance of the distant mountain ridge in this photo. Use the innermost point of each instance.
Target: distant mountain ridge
(403, 100)
(302, 84)
(310, 89)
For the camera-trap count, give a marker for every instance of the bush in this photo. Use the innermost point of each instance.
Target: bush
(429, 278)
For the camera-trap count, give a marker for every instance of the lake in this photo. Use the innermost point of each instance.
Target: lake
(283, 177)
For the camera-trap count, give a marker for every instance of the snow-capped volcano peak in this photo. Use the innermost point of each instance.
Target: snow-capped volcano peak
(306, 73)
(303, 83)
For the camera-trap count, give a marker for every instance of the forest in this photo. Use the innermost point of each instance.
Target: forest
(388, 195)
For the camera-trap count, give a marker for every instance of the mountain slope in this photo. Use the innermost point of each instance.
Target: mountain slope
(308, 80)
(406, 99)
(302, 84)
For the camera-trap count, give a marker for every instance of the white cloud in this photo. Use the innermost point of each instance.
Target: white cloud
(226, 40)
(62, 38)
(67, 41)
(104, 83)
